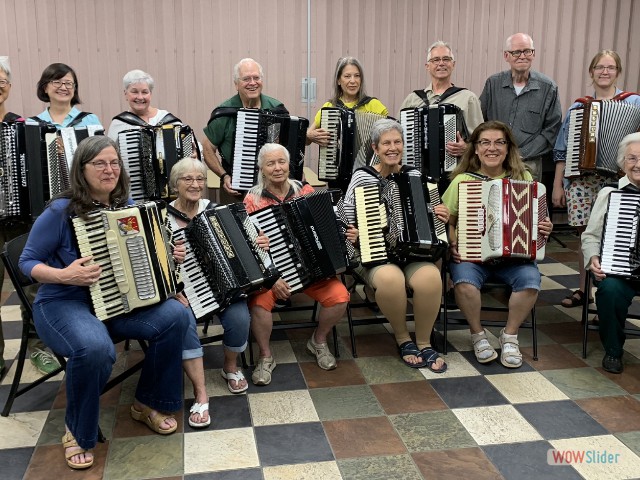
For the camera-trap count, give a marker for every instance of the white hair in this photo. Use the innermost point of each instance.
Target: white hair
(267, 148)
(439, 43)
(236, 68)
(507, 43)
(137, 76)
(4, 66)
(624, 144)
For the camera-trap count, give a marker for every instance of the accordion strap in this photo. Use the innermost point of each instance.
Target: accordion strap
(619, 97)
(131, 119)
(446, 94)
(363, 101)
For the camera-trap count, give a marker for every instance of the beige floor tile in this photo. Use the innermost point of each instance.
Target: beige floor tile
(632, 345)
(21, 429)
(11, 348)
(11, 313)
(273, 408)
(457, 366)
(217, 450)
(549, 284)
(496, 425)
(525, 387)
(627, 465)
(556, 269)
(461, 339)
(304, 471)
(575, 313)
(281, 350)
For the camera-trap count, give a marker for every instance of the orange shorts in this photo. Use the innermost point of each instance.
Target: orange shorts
(328, 293)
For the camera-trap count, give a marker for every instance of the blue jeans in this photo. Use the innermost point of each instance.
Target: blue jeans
(70, 329)
(519, 276)
(235, 322)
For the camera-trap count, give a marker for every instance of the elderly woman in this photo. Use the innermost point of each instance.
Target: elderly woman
(64, 317)
(187, 181)
(491, 154)
(274, 187)
(605, 69)
(614, 294)
(390, 281)
(58, 86)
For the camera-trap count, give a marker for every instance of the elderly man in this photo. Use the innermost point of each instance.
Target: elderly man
(219, 142)
(440, 65)
(525, 100)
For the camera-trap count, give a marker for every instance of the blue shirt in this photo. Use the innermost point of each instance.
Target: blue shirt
(90, 119)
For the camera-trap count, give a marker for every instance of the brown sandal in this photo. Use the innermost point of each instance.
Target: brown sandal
(69, 441)
(574, 300)
(154, 422)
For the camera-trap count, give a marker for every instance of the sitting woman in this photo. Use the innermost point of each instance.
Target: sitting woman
(614, 294)
(63, 311)
(274, 187)
(187, 180)
(492, 153)
(390, 281)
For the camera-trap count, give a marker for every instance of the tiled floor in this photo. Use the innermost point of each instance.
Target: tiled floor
(372, 418)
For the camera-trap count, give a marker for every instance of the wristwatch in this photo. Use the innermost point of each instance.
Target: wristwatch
(225, 174)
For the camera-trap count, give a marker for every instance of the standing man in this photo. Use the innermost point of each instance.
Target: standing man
(440, 65)
(220, 132)
(525, 100)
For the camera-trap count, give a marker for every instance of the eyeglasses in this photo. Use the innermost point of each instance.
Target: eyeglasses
(516, 53)
(101, 165)
(488, 143)
(631, 159)
(190, 180)
(4, 83)
(602, 68)
(255, 78)
(437, 60)
(60, 83)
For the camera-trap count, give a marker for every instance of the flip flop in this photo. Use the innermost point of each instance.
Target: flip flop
(429, 355)
(410, 348)
(199, 408)
(238, 377)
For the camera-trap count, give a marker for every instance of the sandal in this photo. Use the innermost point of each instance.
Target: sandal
(410, 348)
(199, 408)
(430, 356)
(69, 441)
(510, 351)
(154, 422)
(482, 348)
(234, 376)
(574, 300)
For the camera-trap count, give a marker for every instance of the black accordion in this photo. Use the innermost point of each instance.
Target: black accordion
(620, 245)
(350, 144)
(131, 244)
(397, 222)
(223, 240)
(149, 153)
(427, 130)
(306, 240)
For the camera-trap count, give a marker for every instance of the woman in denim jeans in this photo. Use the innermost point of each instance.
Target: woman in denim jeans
(63, 313)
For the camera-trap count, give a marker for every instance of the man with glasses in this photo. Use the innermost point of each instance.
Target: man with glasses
(440, 64)
(526, 100)
(220, 131)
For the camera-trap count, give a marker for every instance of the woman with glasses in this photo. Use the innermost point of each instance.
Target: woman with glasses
(63, 312)
(491, 154)
(187, 180)
(58, 86)
(614, 294)
(579, 193)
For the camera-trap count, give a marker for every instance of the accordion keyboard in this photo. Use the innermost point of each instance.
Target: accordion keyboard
(245, 150)
(371, 217)
(619, 255)
(328, 164)
(470, 221)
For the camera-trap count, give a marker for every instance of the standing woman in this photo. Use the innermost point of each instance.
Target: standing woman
(581, 192)
(390, 281)
(58, 86)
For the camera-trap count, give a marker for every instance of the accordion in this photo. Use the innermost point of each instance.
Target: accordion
(306, 240)
(397, 222)
(350, 144)
(498, 219)
(427, 130)
(595, 131)
(149, 153)
(223, 240)
(620, 245)
(131, 245)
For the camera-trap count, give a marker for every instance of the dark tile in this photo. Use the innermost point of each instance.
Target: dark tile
(523, 461)
(14, 462)
(616, 414)
(552, 357)
(494, 367)
(560, 419)
(407, 397)
(347, 373)
(467, 392)
(125, 426)
(373, 345)
(145, 457)
(379, 468)
(286, 376)
(629, 379)
(40, 398)
(48, 462)
(227, 411)
(245, 474)
(569, 281)
(456, 464)
(363, 437)
(570, 332)
(213, 356)
(291, 444)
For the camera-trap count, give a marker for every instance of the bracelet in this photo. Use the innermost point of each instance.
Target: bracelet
(225, 174)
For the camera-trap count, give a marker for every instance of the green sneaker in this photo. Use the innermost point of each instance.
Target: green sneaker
(44, 361)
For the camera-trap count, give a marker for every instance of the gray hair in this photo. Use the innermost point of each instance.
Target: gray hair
(383, 126)
(622, 148)
(137, 76)
(236, 68)
(183, 166)
(4, 66)
(267, 148)
(439, 43)
(507, 43)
